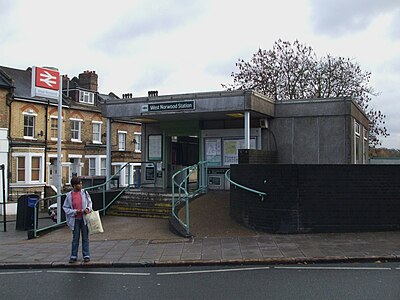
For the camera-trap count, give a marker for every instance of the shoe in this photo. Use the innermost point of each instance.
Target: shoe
(72, 260)
(86, 259)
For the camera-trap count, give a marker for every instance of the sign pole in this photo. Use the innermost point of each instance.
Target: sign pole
(59, 165)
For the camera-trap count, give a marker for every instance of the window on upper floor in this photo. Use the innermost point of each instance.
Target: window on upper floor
(138, 141)
(122, 140)
(96, 132)
(86, 97)
(76, 126)
(29, 125)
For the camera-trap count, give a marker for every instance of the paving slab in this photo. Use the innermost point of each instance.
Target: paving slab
(217, 240)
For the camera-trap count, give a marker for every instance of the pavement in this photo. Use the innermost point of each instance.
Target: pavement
(131, 242)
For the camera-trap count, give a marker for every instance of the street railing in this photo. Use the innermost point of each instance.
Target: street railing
(183, 194)
(228, 177)
(100, 187)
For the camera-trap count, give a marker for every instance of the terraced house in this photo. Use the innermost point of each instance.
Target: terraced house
(29, 132)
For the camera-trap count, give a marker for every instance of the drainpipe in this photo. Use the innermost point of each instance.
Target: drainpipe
(108, 150)
(45, 145)
(9, 100)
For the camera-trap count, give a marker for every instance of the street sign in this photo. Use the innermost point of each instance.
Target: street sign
(45, 82)
(48, 79)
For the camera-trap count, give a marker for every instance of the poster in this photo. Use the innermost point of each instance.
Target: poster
(213, 151)
(231, 147)
(155, 147)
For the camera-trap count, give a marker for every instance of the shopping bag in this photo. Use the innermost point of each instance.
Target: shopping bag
(94, 222)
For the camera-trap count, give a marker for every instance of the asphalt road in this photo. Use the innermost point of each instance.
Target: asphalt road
(336, 281)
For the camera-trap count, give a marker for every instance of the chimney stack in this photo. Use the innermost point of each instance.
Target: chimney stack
(152, 93)
(88, 81)
(126, 96)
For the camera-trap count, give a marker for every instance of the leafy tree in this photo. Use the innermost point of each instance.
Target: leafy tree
(293, 71)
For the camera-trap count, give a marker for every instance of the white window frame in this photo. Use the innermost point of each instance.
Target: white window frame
(98, 125)
(22, 168)
(86, 97)
(92, 166)
(138, 138)
(79, 139)
(33, 115)
(357, 139)
(365, 145)
(28, 167)
(97, 164)
(123, 175)
(103, 167)
(122, 143)
(52, 118)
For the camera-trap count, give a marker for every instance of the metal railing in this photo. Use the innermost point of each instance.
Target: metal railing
(183, 194)
(101, 187)
(261, 194)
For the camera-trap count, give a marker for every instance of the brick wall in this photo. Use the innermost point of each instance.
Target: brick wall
(317, 198)
(4, 109)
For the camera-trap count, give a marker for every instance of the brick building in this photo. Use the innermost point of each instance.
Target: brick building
(33, 130)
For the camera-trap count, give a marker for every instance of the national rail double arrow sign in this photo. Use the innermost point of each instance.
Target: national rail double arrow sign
(48, 79)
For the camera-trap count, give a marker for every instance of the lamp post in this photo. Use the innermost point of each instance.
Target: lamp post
(59, 165)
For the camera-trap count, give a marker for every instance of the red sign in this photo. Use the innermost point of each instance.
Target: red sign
(47, 79)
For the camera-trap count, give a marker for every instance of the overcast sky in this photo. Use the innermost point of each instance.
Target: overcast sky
(183, 46)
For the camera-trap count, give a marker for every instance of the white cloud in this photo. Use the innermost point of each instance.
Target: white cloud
(179, 46)
(338, 17)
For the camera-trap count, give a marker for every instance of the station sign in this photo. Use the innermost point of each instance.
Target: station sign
(45, 82)
(169, 106)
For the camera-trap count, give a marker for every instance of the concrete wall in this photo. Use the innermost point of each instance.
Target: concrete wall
(316, 131)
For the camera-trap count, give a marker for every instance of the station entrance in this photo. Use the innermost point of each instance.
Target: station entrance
(182, 151)
(181, 148)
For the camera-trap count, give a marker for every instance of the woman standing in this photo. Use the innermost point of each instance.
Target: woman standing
(77, 204)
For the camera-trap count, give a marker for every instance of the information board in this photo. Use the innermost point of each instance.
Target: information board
(231, 147)
(213, 151)
(155, 147)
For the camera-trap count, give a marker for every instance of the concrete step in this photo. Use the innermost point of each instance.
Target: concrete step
(141, 209)
(142, 204)
(140, 214)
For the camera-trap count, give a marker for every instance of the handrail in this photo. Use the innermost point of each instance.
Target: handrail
(102, 186)
(261, 194)
(202, 187)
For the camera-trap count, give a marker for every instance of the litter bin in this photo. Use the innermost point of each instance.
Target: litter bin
(25, 211)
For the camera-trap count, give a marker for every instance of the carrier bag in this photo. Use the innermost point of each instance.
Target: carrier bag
(94, 222)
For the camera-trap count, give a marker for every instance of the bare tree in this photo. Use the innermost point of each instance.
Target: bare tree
(293, 71)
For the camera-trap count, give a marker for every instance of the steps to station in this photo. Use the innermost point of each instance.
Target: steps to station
(142, 204)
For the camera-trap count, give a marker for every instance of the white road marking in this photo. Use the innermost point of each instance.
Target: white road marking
(332, 268)
(213, 271)
(20, 272)
(99, 273)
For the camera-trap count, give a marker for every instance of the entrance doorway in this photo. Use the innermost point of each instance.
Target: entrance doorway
(53, 172)
(183, 152)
